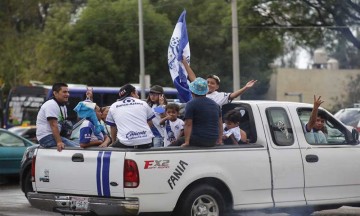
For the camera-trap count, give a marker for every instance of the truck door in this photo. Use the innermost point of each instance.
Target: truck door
(77, 171)
(331, 168)
(285, 156)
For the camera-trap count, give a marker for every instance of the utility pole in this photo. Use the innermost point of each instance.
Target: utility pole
(141, 50)
(235, 46)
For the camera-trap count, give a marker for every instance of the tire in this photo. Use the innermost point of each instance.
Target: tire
(201, 200)
(27, 183)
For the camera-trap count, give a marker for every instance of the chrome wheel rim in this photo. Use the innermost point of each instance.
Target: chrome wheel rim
(205, 205)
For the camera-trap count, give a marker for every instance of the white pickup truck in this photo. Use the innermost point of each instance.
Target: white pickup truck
(279, 168)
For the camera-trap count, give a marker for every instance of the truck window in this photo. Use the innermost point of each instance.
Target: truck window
(335, 133)
(280, 127)
(247, 122)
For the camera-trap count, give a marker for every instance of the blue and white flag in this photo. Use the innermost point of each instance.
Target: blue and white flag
(179, 47)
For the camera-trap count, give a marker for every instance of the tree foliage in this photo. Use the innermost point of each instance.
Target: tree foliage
(101, 47)
(95, 42)
(209, 28)
(318, 23)
(352, 97)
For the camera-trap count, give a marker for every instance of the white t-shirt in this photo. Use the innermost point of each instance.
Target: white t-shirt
(220, 98)
(235, 131)
(49, 109)
(130, 117)
(176, 127)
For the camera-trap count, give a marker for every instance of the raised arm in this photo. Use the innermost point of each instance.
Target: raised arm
(312, 121)
(239, 92)
(190, 72)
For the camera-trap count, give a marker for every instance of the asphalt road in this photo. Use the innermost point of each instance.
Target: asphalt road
(14, 203)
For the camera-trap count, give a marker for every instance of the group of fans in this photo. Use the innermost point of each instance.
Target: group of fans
(135, 123)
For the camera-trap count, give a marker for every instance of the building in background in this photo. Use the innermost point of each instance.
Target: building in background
(323, 77)
(289, 84)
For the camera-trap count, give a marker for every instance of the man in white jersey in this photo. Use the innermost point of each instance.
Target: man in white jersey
(50, 118)
(128, 118)
(213, 81)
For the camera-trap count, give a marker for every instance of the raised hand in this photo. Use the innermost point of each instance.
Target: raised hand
(317, 102)
(250, 83)
(161, 99)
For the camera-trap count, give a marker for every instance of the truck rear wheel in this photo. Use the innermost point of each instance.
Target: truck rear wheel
(201, 200)
(27, 183)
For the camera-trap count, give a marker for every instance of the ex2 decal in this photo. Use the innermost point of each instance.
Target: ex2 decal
(156, 164)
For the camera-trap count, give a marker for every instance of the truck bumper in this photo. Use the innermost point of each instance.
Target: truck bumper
(97, 205)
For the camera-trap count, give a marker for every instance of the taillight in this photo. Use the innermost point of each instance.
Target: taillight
(33, 161)
(131, 174)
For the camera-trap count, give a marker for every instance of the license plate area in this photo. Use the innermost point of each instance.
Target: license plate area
(79, 203)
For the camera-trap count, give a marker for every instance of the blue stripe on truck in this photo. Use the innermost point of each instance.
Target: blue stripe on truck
(98, 172)
(105, 174)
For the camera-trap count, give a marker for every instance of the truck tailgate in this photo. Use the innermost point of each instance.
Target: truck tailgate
(81, 172)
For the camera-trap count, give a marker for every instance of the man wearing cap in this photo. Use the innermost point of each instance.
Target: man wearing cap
(203, 123)
(128, 118)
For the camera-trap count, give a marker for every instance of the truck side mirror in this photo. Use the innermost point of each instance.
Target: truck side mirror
(355, 135)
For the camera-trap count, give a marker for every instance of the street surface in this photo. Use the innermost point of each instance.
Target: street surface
(14, 203)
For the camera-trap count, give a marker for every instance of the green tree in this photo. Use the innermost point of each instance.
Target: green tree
(97, 43)
(101, 47)
(352, 97)
(21, 26)
(19, 21)
(209, 29)
(318, 23)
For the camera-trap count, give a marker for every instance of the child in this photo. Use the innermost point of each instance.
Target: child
(232, 133)
(157, 101)
(91, 131)
(173, 126)
(315, 129)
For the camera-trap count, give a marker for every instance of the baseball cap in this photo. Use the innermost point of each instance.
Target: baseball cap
(199, 86)
(157, 89)
(125, 91)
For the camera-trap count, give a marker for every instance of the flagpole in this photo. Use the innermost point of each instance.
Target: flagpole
(141, 50)
(235, 47)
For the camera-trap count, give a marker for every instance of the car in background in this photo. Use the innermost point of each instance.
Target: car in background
(349, 116)
(12, 148)
(28, 132)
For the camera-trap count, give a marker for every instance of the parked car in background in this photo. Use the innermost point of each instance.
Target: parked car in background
(12, 148)
(349, 116)
(28, 132)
